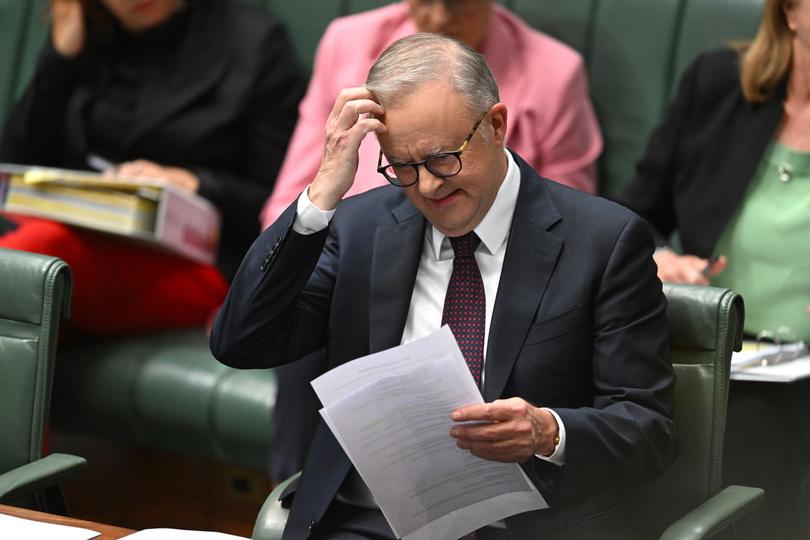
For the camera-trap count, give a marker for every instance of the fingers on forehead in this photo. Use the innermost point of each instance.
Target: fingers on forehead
(351, 94)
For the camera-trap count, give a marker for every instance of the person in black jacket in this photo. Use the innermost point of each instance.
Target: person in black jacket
(729, 171)
(202, 93)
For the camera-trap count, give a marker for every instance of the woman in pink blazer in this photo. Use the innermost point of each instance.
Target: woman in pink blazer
(552, 124)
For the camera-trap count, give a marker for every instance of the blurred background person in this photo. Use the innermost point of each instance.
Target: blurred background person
(200, 93)
(729, 171)
(552, 125)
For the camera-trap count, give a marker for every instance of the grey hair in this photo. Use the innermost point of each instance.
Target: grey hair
(410, 62)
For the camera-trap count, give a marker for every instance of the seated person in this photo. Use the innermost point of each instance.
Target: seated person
(552, 126)
(200, 93)
(566, 318)
(729, 171)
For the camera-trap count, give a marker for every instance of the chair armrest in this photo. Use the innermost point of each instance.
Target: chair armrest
(272, 517)
(40, 474)
(715, 514)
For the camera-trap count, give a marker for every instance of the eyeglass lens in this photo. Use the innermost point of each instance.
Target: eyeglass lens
(441, 165)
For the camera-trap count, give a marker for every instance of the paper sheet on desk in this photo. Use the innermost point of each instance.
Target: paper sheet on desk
(785, 372)
(15, 528)
(770, 363)
(180, 534)
(390, 411)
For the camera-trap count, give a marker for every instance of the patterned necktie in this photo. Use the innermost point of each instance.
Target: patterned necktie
(464, 303)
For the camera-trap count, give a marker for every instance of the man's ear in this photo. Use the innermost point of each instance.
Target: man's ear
(497, 115)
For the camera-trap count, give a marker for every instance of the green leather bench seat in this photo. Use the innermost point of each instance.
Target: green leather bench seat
(166, 391)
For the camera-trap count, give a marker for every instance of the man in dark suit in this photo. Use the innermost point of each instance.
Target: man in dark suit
(551, 293)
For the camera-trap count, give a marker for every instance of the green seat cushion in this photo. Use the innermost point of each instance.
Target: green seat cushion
(166, 391)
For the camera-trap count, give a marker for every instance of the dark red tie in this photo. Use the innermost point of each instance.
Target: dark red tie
(465, 305)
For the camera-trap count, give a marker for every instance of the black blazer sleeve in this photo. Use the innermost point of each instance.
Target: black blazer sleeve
(33, 130)
(277, 309)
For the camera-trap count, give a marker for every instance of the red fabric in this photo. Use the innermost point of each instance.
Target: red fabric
(120, 287)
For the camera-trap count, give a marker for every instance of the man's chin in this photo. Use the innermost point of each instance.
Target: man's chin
(454, 228)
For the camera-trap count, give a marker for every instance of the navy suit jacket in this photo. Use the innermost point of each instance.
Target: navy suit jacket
(578, 325)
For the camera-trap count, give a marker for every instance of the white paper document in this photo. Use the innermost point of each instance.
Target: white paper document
(390, 411)
(15, 528)
(180, 534)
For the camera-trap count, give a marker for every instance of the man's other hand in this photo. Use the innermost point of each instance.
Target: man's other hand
(509, 430)
(354, 115)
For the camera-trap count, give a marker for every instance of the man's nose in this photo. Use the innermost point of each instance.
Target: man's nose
(428, 183)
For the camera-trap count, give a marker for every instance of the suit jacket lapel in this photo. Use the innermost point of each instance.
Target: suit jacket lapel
(531, 255)
(394, 263)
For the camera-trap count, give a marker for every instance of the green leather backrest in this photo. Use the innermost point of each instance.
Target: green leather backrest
(33, 37)
(13, 24)
(635, 51)
(34, 295)
(705, 326)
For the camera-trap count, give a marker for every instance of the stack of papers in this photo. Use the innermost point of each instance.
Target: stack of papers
(14, 528)
(390, 411)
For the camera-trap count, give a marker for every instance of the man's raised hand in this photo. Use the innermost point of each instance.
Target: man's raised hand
(354, 115)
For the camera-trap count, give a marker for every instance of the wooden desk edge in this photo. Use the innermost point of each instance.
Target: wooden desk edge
(108, 532)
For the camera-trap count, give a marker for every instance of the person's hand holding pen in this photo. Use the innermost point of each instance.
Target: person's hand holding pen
(688, 269)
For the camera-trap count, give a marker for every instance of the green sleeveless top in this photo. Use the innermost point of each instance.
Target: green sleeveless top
(767, 243)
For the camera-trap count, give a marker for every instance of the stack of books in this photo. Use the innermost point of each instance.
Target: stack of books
(148, 210)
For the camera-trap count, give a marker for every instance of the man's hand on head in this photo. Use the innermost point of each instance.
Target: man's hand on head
(509, 430)
(354, 115)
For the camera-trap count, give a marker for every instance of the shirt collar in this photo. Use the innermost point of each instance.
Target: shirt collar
(494, 228)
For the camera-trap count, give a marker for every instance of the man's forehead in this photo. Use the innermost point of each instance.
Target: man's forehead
(419, 137)
(433, 107)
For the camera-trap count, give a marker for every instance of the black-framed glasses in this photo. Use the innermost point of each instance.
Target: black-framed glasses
(441, 165)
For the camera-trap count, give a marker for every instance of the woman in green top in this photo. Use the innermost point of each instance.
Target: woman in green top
(729, 171)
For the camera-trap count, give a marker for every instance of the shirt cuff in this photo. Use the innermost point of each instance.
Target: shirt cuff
(558, 456)
(310, 219)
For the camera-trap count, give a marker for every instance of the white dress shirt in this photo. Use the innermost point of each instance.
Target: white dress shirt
(436, 265)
